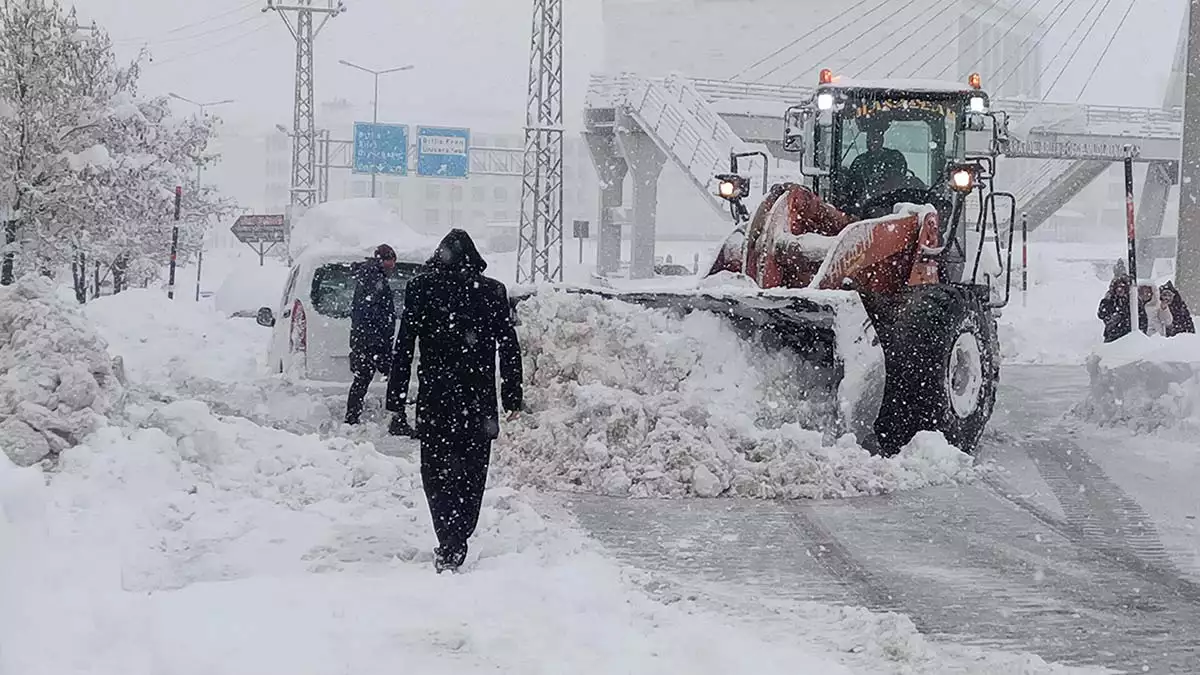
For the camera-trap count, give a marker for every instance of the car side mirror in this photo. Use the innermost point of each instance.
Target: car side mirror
(265, 317)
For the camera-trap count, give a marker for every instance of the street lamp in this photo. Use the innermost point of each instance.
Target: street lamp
(375, 112)
(199, 171)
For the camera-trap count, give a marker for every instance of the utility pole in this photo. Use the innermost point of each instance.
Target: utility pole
(375, 103)
(304, 139)
(540, 242)
(199, 173)
(1187, 252)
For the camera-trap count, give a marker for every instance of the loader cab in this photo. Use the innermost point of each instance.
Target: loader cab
(869, 146)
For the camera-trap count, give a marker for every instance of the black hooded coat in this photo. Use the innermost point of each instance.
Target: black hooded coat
(372, 318)
(1180, 314)
(459, 319)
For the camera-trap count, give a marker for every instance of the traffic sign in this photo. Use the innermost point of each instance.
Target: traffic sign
(381, 148)
(260, 229)
(443, 152)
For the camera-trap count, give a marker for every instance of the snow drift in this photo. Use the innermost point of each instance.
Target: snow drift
(56, 377)
(1145, 383)
(630, 401)
(358, 225)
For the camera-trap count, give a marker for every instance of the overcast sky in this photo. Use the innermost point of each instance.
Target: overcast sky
(471, 55)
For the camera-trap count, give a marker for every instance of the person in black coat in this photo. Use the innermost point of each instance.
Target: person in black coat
(1181, 316)
(1114, 309)
(459, 318)
(372, 325)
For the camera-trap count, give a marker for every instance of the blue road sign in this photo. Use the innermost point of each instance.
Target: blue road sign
(443, 152)
(381, 148)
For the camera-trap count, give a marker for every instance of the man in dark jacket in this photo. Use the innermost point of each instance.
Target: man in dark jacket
(459, 318)
(372, 325)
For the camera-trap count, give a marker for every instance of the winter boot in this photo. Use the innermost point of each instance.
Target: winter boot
(448, 560)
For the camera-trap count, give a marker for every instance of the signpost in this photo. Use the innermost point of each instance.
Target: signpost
(381, 148)
(580, 228)
(1131, 235)
(261, 233)
(443, 152)
(174, 243)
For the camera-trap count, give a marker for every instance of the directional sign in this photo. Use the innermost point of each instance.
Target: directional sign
(443, 152)
(381, 148)
(260, 229)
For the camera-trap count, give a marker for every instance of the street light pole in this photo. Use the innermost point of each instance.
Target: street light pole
(199, 173)
(375, 103)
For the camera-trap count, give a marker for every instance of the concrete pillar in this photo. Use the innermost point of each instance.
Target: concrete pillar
(1152, 209)
(645, 162)
(611, 170)
(1187, 257)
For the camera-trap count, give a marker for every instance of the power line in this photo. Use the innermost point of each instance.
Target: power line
(1037, 44)
(852, 40)
(208, 49)
(197, 22)
(797, 41)
(878, 6)
(1111, 38)
(992, 47)
(936, 7)
(211, 31)
(1078, 44)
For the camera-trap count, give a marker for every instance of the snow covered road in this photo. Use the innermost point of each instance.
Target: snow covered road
(990, 563)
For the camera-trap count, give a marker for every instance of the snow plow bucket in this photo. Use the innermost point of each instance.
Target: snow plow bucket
(837, 354)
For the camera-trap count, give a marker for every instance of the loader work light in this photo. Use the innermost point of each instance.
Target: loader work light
(732, 186)
(978, 105)
(962, 178)
(825, 101)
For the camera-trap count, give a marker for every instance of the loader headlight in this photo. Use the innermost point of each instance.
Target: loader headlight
(825, 101)
(978, 105)
(732, 186)
(962, 179)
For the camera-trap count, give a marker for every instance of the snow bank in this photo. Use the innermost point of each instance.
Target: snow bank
(56, 378)
(358, 225)
(247, 288)
(630, 401)
(215, 546)
(169, 342)
(1145, 383)
(1056, 323)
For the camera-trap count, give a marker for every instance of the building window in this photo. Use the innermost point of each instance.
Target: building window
(433, 192)
(478, 194)
(501, 194)
(478, 217)
(432, 216)
(456, 194)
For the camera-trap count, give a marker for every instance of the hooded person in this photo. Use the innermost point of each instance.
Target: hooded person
(372, 325)
(459, 319)
(1181, 316)
(1114, 309)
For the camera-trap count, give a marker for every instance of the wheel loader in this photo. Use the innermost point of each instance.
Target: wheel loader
(874, 264)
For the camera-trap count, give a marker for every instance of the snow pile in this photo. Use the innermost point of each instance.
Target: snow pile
(626, 400)
(1145, 383)
(358, 225)
(170, 342)
(56, 378)
(1056, 323)
(189, 520)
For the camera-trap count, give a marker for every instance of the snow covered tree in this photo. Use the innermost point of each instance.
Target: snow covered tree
(89, 168)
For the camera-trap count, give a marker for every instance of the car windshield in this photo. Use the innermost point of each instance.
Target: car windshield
(333, 287)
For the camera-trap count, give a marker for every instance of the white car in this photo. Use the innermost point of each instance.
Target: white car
(310, 339)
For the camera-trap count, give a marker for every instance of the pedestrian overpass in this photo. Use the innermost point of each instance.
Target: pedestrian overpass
(634, 125)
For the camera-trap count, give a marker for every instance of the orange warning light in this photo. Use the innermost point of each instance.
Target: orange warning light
(826, 76)
(975, 81)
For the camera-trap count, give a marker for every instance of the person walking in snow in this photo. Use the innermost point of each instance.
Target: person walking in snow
(372, 325)
(458, 319)
(1181, 316)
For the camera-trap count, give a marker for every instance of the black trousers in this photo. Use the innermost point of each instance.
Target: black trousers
(454, 473)
(358, 393)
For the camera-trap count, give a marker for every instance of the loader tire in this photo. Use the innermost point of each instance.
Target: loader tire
(942, 368)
